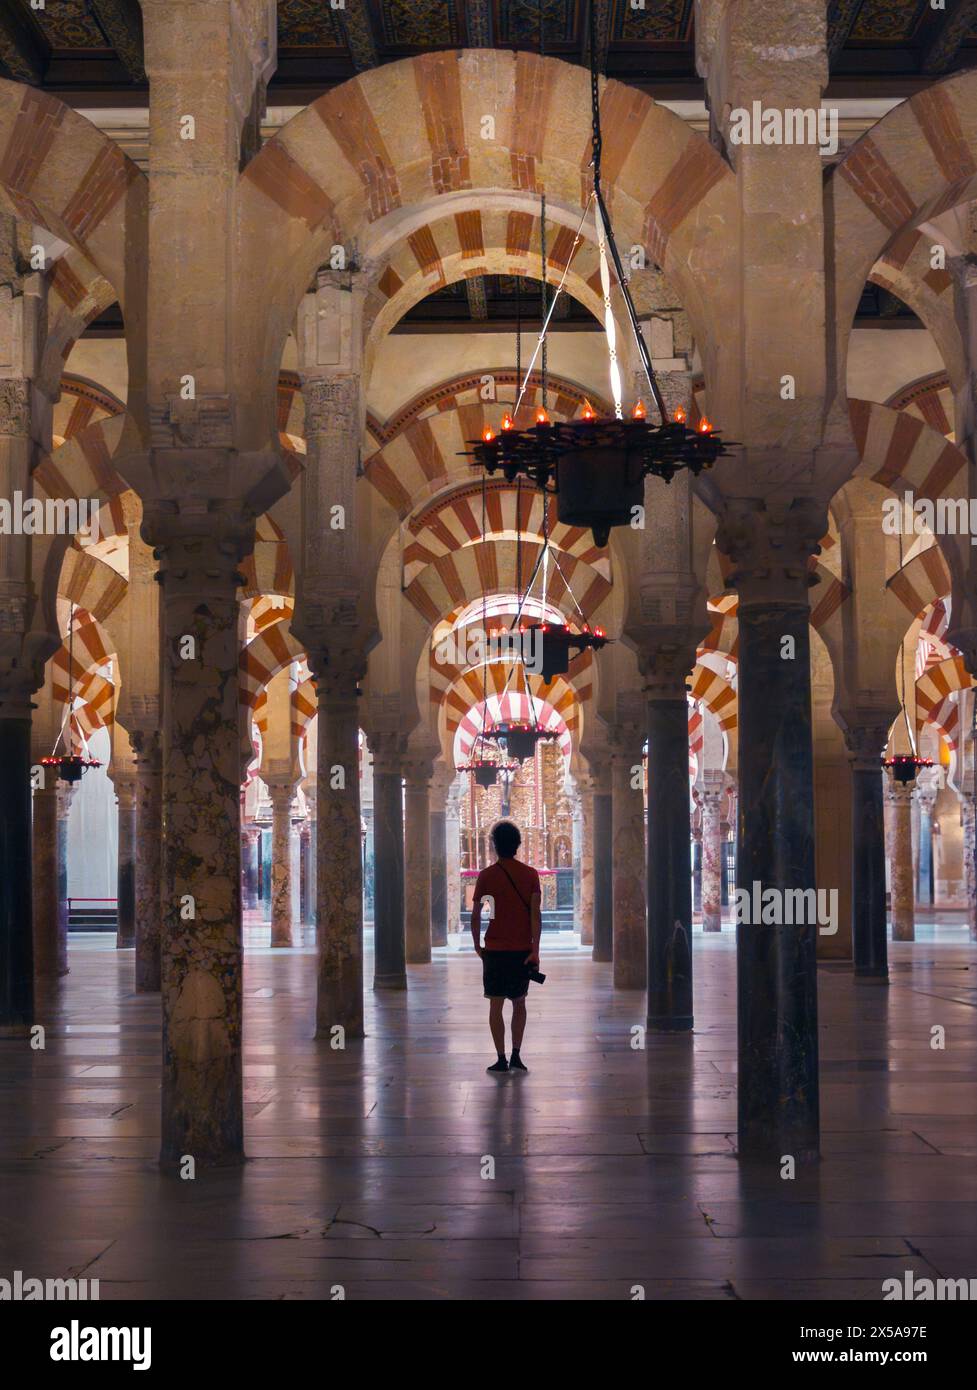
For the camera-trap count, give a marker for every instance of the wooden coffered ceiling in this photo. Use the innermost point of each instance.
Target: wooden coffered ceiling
(91, 52)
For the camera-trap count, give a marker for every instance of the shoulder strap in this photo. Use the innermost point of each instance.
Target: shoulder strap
(515, 885)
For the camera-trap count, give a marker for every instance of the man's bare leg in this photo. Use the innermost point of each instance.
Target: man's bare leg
(497, 1026)
(518, 1028)
(518, 1022)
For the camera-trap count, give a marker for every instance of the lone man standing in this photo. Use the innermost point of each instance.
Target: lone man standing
(511, 940)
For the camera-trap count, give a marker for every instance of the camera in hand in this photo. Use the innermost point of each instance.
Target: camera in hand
(535, 976)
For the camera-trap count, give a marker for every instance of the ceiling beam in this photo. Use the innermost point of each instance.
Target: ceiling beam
(122, 22)
(603, 18)
(841, 20)
(478, 19)
(22, 52)
(356, 29)
(477, 302)
(945, 44)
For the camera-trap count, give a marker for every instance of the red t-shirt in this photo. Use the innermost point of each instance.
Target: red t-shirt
(510, 929)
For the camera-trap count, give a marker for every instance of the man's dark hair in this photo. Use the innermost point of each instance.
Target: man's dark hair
(506, 839)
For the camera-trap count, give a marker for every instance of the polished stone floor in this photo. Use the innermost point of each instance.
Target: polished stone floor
(399, 1169)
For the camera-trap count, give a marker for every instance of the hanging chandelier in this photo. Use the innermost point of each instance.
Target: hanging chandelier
(518, 737)
(70, 766)
(486, 770)
(595, 466)
(905, 766)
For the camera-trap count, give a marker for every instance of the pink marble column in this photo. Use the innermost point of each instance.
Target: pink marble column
(202, 1095)
(417, 860)
(125, 795)
(339, 867)
(149, 850)
(281, 855)
(711, 801)
(899, 800)
(50, 914)
(628, 862)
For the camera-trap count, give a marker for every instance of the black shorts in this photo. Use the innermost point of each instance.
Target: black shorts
(505, 974)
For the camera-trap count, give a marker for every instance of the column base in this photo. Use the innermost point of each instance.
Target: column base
(682, 1024)
(881, 976)
(605, 957)
(390, 982)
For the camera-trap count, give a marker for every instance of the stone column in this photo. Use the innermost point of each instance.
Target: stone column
(125, 795)
(711, 800)
(969, 874)
(202, 1102)
(149, 852)
(439, 855)
(338, 852)
(667, 865)
(50, 913)
(417, 858)
(249, 845)
(452, 834)
(866, 745)
(902, 894)
(603, 865)
(389, 969)
(281, 863)
(587, 854)
(628, 860)
(926, 794)
(305, 851)
(776, 964)
(16, 908)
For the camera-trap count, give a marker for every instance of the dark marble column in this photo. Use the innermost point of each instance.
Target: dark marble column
(125, 795)
(16, 909)
(777, 1081)
(417, 860)
(50, 940)
(339, 864)
(201, 959)
(603, 929)
(866, 745)
(149, 856)
(390, 970)
(668, 865)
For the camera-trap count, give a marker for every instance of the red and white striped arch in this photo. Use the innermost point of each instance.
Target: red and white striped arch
(455, 521)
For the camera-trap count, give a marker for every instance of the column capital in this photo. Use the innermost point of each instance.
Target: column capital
(770, 544)
(898, 793)
(332, 403)
(337, 671)
(388, 749)
(418, 767)
(866, 735)
(666, 661)
(199, 543)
